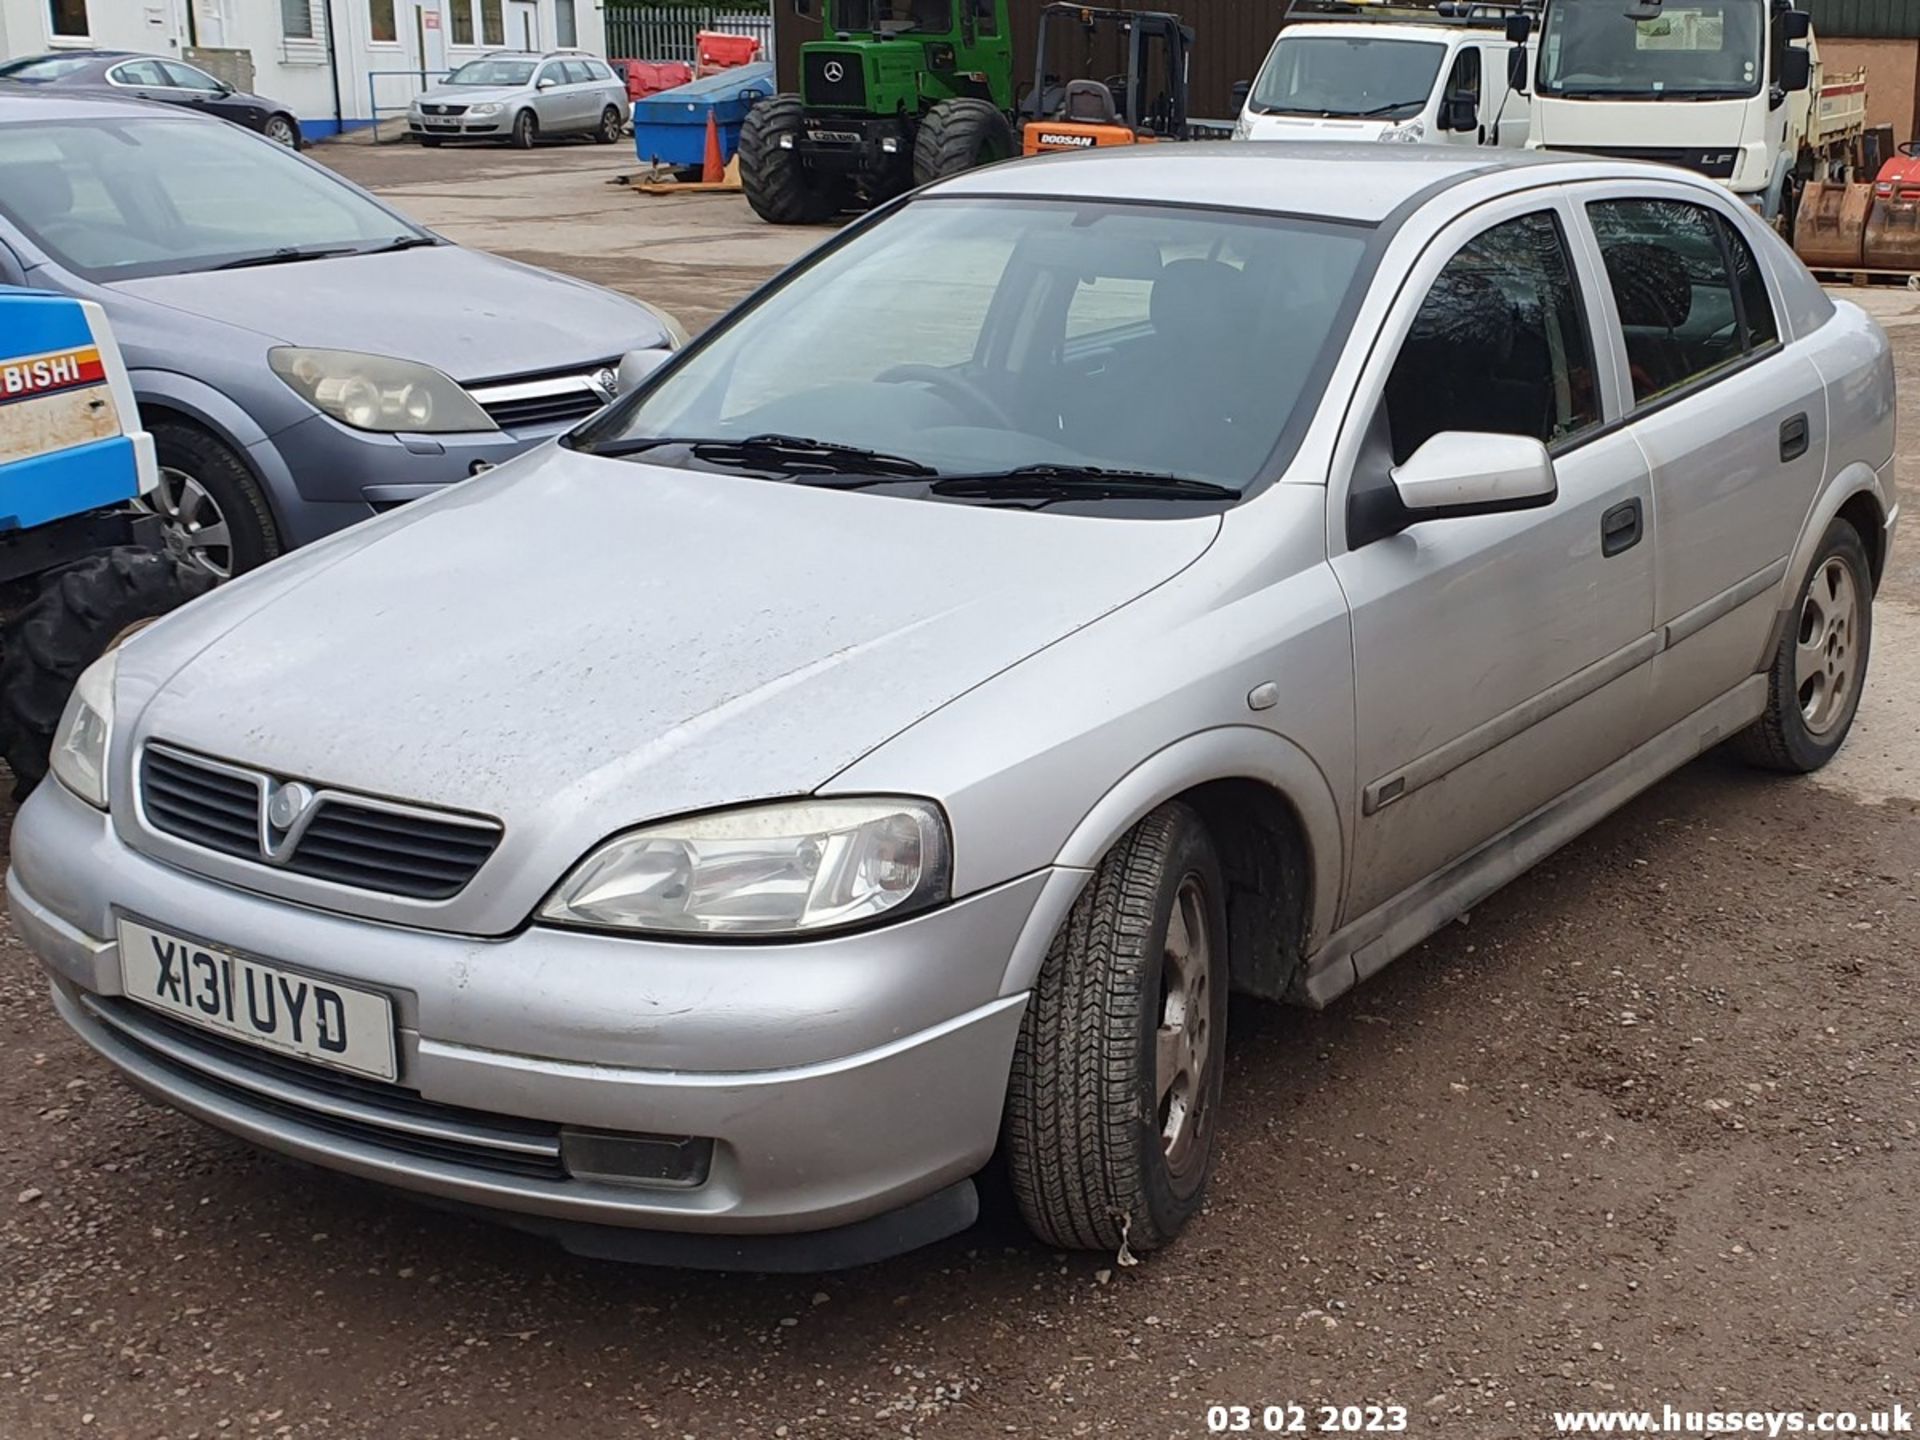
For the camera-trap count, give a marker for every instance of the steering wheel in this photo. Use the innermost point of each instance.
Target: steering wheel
(950, 382)
(1909, 148)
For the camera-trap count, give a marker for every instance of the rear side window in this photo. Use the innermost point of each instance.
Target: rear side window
(141, 72)
(1689, 290)
(598, 71)
(1500, 344)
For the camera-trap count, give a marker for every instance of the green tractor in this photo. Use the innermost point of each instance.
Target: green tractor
(904, 92)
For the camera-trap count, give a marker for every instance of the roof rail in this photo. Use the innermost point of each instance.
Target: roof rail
(1480, 14)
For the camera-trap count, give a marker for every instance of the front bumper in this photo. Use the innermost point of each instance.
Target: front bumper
(821, 1161)
(830, 143)
(461, 127)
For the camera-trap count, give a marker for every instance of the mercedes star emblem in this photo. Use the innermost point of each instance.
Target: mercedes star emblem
(836, 72)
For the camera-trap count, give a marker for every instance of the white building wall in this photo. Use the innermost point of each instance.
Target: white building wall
(301, 71)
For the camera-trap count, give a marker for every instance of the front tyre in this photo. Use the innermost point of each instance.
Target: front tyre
(526, 130)
(78, 613)
(1820, 667)
(282, 130)
(957, 135)
(1115, 1089)
(778, 185)
(209, 504)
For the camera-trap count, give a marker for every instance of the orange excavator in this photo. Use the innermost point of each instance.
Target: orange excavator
(1106, 77)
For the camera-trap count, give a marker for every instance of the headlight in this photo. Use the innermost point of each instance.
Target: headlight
(377, 392)
(791, 868)
(490, 107)
(676, 332)
(80, 744)
(1411, 133)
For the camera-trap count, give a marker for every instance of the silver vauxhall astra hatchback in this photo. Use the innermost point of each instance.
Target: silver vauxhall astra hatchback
(1086, 587)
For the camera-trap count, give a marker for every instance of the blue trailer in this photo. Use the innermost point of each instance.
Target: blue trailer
(80, 564)
(670, 126)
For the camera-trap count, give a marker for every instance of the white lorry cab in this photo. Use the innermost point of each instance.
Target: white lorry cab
(1729, 88)
(1350, 70)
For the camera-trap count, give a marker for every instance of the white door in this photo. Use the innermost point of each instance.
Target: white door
(523, 25)
(425, 35)
(1463, 114)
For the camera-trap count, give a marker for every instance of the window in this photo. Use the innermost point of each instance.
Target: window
(380, 22)
(986, 18)
(185, 77)
(554, 74)
(565, 31)
(1308, 74)
(1699, 50)
(576, 73)
(1465, 79)
(296, 19)
(598, 71)
(144, 73)
(493, 28)
(1680, 313)
(1109, 303)
(460, 27)
(68, 17)
(1500, 344)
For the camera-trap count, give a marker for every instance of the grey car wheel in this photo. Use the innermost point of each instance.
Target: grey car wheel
(1820, 665)
(195, 527)
(279, 129)
(212, 511)
(612, 127)
(526, 130)
(1115, 1090)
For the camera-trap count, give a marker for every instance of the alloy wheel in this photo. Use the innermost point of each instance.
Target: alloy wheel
(280, 131)
(1183, 1040)
(195, 527)
(1825, 652)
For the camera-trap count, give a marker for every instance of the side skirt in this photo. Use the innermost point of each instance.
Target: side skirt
(1391, 929)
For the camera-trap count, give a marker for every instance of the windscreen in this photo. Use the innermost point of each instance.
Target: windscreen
(38, 69)
(1346, 75)
(492, 72)
(116, 199)
(972, 336)
(1701, 49)
(894, 17)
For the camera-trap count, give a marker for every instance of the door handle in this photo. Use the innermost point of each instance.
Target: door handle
(1793, 437)
(1620, 527)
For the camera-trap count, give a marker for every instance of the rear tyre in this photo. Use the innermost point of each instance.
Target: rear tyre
(526, 130)
(78, 613)
(1108, 1136)
(958, 135)
(214, 511)
(612, 126)
(778, 185)
(1820, 668)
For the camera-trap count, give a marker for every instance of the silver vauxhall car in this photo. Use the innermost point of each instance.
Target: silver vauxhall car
(885, 736)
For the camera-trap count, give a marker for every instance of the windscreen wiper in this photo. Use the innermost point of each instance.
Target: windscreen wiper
(1078, 482)
(1376, 110)
(784, 454)
(288, 255)
(400, 242)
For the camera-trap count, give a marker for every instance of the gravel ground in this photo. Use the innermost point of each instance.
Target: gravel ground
(1641, 1130)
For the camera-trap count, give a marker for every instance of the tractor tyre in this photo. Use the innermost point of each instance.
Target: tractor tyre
(957, 135)
(79, 612)
(777, 182)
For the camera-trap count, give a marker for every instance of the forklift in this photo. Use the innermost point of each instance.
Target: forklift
(1106, 77)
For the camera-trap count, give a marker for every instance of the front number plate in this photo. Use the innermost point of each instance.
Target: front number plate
(260, 1004)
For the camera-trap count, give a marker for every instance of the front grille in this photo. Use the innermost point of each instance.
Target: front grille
(553, 397)
(348, 839)
(389, 1116)
(820, 85)
(443, 109)
(1715, 164)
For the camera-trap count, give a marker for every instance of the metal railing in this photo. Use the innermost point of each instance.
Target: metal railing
(666, 32)
(420, 79)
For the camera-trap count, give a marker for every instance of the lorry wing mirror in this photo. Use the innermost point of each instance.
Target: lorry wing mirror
(1796, 71)
(1519, 29)
(1517, 69)
(1460, 111)
(1796, 24)
(1241, 90)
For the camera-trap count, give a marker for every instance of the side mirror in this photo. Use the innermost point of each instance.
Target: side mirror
(1465, 472)
(1796, 24)
(1796, 71)
(1517, 70)
(1459, 112)
(637, 365)
(1519, 29)
(1241, 90)
(547, 82)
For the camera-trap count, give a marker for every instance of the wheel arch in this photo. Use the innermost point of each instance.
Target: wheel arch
(165, 396)
(1857, 496)
(1273, 816)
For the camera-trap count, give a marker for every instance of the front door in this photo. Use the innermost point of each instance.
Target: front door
(1463, 100)
(1498, 660)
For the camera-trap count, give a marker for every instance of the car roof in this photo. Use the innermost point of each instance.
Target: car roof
(1364, 183)
(35, 103)
(1378, 30)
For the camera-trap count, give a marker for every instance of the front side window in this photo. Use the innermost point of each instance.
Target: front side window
(113, 200)
(986, 18)
(1673, 269)
(185, 77)
(1464, 82)
(978, 336)
(1694, 49)
(68, 18)
(1350, 76)
(296, 19)
(381, 25)
(1500, 344)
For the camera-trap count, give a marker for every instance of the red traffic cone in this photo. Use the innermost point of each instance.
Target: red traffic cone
(712, 168)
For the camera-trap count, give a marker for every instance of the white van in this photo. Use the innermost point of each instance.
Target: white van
(1447, 82)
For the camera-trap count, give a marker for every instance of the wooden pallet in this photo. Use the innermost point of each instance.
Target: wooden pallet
(1865, 277)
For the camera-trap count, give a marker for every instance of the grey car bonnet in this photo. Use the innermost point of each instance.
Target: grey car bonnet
(576, 645)
(470, 314)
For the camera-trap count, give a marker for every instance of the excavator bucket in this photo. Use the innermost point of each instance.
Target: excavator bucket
(1893, 230)
(1830, 232)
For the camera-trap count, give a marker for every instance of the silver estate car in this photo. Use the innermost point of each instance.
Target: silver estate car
(885, 735)
(513, 95)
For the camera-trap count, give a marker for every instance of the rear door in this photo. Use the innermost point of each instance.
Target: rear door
(1732, 422)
